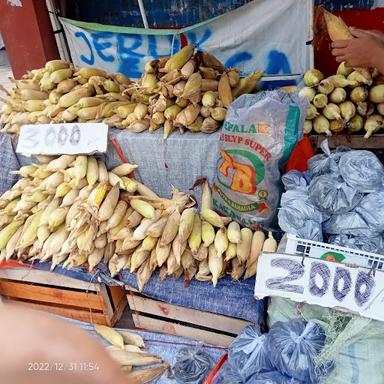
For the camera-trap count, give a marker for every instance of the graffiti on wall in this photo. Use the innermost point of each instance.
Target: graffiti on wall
(128, 53)
(233, 38)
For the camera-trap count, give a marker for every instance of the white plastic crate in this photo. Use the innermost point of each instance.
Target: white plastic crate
(297, 246)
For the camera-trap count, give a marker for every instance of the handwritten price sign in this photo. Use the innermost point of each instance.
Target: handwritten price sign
(69, 138)
(321, 282)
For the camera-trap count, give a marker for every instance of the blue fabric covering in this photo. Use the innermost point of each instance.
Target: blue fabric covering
(165, 346)
(229, 298)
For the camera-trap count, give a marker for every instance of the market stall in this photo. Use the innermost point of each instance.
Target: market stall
(171, 194)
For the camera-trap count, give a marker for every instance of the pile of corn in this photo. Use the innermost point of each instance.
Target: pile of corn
(71, 210)
(126, 349)
(59, 93)
(185, 91)
(351, 100)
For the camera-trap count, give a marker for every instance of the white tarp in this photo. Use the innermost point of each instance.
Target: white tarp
(268, 34)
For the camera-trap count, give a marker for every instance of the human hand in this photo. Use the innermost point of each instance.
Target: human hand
(38, 348)
(365, 50)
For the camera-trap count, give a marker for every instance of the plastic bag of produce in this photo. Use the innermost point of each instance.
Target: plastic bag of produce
(332, 195)
(247, 354)
(354, 343)
(364, 243)
(299, 216)
(273, 377)
(294, 346)
(371, 209)
(191, 366)
(294, 180)
(362, 170)
(228, 375)
(326, 163)
(350, 223)
(258, 136)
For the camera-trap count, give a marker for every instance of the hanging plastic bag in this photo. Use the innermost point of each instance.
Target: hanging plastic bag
(350, 223)
(362, 170)
(273, 377)
(294, 346)
(258, 136)
(248, 354)
(371, 209)
(191, 366)
(326, 163)
(294, 180)
(332, 195)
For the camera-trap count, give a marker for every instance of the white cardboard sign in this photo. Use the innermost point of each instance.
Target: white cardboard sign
(321, 282)
(68, 138)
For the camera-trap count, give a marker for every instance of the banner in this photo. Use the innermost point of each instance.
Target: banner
(325, 283)
(264, 34)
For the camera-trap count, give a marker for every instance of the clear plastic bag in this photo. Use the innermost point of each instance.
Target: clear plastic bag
(191, 366)
(371, 209)
(350, 223)
(332, 195)
(273, 377)
(294, 346)
(362, 170)
(326, 163)
(294, 180)
(247, 354)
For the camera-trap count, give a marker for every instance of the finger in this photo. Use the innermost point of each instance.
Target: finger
(358, 32)
(340, 44)
(340, 59)
(338, 52)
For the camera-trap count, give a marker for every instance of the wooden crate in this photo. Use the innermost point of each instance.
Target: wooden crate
(62, 295)
(159, 316)
(353, 141)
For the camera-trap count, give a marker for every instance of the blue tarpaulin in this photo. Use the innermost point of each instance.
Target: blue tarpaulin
(229, 298)
(162, 345)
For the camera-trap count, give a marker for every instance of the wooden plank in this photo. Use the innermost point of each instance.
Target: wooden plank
(188, 315)
(107, 305)
(45, 277)
(352, 141)
(77, 314)
(117, 293)
(119, 310)
(50, 295)
(181, 330)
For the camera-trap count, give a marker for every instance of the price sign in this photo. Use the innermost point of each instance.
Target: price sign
(68, 138)
(321, 282)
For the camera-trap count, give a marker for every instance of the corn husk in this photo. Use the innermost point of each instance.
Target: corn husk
(144, 208)
(178, 60)
(162, 253)
(171, 228)
(215, 263)
(194, 239)
(109, 334)
(108, 206)
(247, 84)
(244, 246)
(224, 90)
(214, 218)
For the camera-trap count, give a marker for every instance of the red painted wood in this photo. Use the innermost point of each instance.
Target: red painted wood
(27, 34)
(359, 18)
